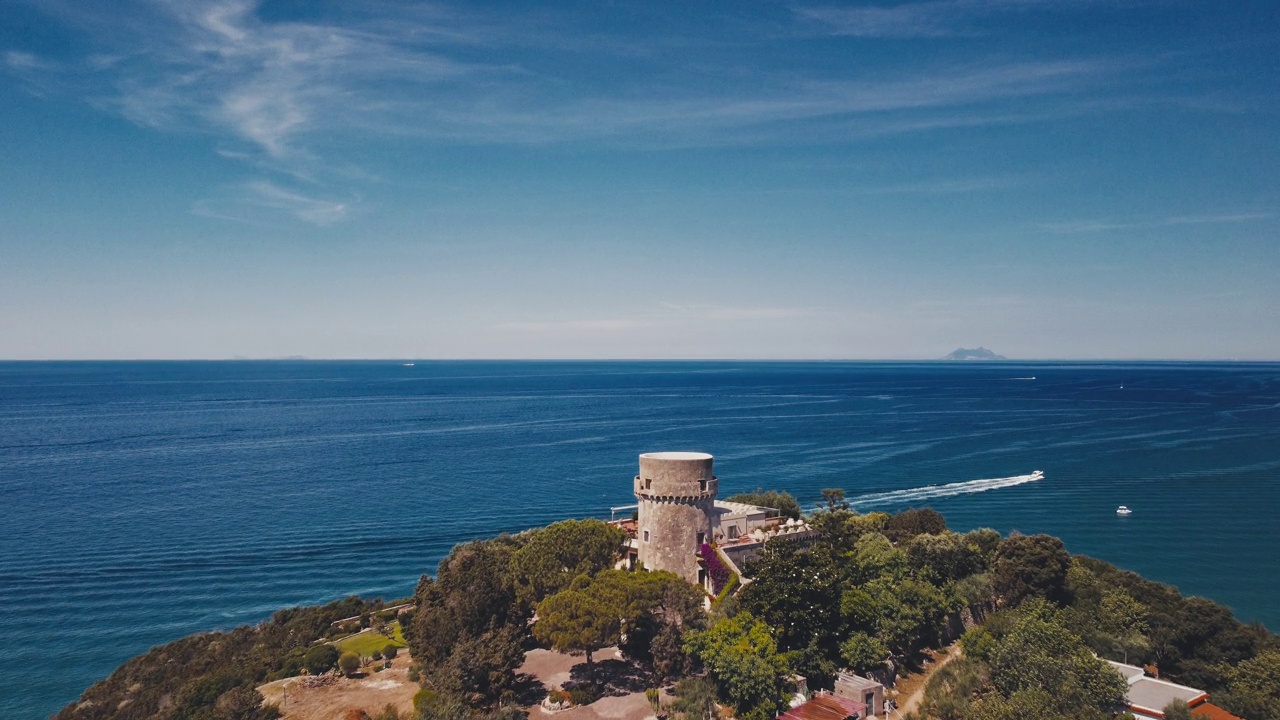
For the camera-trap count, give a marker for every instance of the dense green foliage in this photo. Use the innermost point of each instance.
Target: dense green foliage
(870, 593)
(212, 676)
(740, 655)
(551, 558)
(780, 500)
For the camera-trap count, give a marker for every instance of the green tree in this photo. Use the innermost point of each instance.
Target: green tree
(984, 542)
(1124, 619)
(1177, 710)
(875, 556)
(974, 590)
(863, 653)
(910, 613)
(481, 670)
(471, 595)
(554, 556)
(578, 620)
(348, 663)
(941, 559)
(978, 644)
(911, 522)
(834, 498)
(695, 699)
(1253, 687)
(782, 501)
(320, 658)
(797, 591)
(667, 655)
(1039, 653)
(1030, 566)
(740, 655)
(858, 610)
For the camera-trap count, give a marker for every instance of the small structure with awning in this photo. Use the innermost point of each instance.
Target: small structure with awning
(826, 707)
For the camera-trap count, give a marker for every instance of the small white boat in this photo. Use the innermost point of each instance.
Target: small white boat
(408, 364)
(1122, 510)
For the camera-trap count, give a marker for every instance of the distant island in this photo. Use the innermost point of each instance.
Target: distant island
(978, 353)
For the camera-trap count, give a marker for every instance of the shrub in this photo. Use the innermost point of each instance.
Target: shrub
(348, 663)
(320, 658)
(654, 696)
(583, 695)
(423, 699)
(376, 655)
(389, 652)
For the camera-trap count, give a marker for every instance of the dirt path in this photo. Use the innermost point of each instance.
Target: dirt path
(943, 657)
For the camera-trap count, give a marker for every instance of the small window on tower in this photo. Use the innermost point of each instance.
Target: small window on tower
(702, 484)
(646, 536)
(733, 532)
(648, 484)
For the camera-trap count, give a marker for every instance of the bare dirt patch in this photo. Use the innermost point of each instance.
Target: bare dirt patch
(553, 670)
(370, 693)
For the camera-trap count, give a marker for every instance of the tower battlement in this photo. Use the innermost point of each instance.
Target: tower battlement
(676, 496)
(675, 476)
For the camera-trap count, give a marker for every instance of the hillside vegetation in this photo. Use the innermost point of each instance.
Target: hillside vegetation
(873, 592)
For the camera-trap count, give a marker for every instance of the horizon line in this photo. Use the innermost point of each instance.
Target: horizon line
(942, 360)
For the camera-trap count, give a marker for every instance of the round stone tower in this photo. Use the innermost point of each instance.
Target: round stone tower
(676, 492)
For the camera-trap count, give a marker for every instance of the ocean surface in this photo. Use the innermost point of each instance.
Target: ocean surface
(141, 501)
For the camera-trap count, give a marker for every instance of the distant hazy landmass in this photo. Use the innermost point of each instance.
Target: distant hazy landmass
(978, 353)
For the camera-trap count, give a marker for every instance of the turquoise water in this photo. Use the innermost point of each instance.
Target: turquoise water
(145, 501)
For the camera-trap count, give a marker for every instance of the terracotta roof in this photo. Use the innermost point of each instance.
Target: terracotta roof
(825, 707)
(1213, 712)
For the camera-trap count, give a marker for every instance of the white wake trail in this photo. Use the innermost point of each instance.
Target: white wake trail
(910, 495)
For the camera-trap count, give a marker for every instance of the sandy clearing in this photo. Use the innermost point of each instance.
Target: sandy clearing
(370, 693)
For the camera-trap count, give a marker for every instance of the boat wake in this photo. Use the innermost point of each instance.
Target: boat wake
(910, 495)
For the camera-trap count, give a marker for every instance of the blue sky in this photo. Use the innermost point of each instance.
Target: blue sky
(812, 179)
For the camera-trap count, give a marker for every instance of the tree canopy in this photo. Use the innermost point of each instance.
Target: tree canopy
(784, 502)
(1030, 566)
(554, 556)
(739, 653)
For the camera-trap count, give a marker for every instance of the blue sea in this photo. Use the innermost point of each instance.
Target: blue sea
(142, 501)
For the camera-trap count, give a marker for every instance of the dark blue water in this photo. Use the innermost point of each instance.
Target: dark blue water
(144, 501)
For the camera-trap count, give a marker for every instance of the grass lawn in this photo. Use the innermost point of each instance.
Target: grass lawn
(365, 643)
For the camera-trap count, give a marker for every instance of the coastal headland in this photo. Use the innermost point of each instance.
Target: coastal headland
(762, 610)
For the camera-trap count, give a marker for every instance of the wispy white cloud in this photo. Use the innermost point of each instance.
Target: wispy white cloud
(257, 200)
(669, 316)
(928, 19)
(575, 326)
(18, 60)
(283, 88)
(290, 98)
(266, 84)
(737, 313)
(1096, 226)
(950, 186)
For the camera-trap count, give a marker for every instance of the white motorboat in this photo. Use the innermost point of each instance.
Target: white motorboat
(1122, 510)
